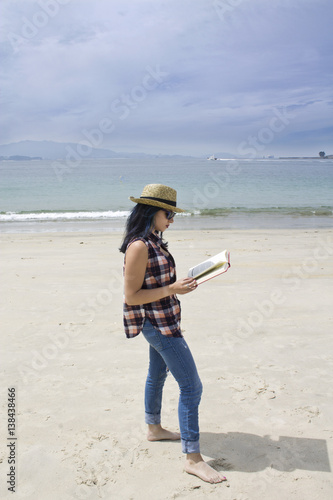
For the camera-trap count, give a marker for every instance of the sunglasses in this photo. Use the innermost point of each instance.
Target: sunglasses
(169, 215)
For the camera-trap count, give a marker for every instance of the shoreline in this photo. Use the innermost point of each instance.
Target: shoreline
(171, 231)
(193, 222)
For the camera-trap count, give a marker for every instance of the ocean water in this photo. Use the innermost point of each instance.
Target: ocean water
(81, 194)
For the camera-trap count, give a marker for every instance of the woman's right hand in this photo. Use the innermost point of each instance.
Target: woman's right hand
(183, 286)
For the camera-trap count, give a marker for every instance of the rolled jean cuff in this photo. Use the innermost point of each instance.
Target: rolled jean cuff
(190, 446)
(152, 419)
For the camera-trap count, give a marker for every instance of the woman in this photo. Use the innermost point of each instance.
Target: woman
(151, 306)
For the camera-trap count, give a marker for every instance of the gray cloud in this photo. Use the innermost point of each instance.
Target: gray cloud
(188, 77)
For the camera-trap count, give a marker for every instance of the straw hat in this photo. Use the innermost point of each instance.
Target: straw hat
(158, 195)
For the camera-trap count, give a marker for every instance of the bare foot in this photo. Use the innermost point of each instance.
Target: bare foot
(196, 465)
(157, 433)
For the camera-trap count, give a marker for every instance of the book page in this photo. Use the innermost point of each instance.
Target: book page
(211, 269)
(200, 268)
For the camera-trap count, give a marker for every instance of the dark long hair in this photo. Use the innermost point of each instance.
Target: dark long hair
(139, 224)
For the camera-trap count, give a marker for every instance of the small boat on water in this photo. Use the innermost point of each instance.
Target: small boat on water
(213, 157)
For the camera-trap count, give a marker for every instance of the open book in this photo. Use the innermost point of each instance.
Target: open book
(208, 269)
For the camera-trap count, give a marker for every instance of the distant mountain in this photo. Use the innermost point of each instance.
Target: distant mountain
(50, 150)
(53, 150)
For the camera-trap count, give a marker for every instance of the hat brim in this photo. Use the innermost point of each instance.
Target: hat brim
(156, 203)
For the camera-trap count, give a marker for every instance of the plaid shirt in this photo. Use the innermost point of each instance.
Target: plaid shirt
(163, 314)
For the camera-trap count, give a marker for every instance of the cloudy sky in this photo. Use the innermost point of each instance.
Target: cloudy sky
(172, 77)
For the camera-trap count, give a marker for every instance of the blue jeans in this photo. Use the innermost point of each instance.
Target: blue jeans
(174, 354)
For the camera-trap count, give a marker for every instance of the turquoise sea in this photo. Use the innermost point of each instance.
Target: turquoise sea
(92, 195)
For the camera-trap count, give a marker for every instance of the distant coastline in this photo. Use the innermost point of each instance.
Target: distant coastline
(20, 158)
(327, 157)
(75, 152)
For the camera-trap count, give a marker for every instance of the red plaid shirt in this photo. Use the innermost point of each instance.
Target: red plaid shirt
(163, 314)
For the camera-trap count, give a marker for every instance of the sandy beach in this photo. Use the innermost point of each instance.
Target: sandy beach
(261, 335)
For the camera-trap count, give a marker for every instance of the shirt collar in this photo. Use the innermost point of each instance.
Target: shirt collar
(156, 239)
